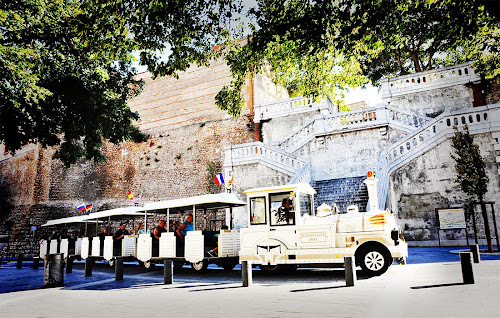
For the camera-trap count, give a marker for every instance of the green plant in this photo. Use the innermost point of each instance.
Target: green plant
(471, 172)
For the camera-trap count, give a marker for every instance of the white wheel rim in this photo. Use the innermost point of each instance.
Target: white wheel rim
(374, 261)
(198, 265)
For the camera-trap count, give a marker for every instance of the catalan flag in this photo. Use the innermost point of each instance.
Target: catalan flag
(88, 208)
(81, 207)
(230, 181)
(378, 219)
(219, 179)
(130, 195)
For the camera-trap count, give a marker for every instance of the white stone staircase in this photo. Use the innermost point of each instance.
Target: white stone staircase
(351, 121)
(281, 156)
(484, 119)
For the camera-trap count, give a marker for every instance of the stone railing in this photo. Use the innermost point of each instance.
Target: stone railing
(303, 175)
(433, 79)
(353, 120)
(258, 152)
(24, 150)
(479, 120)
(290, 106)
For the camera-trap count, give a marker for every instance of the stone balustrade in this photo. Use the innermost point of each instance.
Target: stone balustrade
(353, 120)
(433, 79)
(479, 120)
(258, 152)
(303, 175)
(290, 106)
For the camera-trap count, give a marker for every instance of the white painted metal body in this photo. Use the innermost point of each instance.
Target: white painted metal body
(311, 238)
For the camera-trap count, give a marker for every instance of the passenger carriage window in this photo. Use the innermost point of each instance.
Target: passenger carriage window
(257, 211)
(305, 204)
(282, 209)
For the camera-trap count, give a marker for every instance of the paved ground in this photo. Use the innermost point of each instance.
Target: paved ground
(415, 290)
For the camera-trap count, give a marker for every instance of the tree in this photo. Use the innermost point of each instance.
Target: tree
(386, 38)
(471, 173)
(65, 78)
(66, 66)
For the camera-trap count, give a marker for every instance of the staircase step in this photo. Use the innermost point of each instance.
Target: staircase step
(342, 192)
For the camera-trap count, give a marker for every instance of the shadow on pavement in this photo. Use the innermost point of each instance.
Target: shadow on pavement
(438, 285)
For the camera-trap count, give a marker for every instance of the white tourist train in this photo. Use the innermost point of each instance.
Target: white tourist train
(284, 232)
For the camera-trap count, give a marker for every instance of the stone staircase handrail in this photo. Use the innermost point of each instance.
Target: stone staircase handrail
(427, 80)
(290, 106)
(303, 175)
(353, 120)
(257, 151)
(479, 120)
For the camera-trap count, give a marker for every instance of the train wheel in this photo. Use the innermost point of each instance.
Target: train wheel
(374, 260)
(270, 269)
(200, 266)
(228, 265)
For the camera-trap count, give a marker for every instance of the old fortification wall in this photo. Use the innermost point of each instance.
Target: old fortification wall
(187, 136)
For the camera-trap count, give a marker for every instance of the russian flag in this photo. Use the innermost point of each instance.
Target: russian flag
(81, 207)
(219, 179)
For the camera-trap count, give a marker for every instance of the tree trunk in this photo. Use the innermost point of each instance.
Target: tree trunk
(486, 226)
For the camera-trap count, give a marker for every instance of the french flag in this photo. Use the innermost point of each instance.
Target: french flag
(219, 179)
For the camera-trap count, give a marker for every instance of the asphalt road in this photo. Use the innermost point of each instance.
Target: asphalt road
(26, 278)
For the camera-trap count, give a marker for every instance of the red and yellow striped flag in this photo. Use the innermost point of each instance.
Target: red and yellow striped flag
(130, 195)
(378, 219)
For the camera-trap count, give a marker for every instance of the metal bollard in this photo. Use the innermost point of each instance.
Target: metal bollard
(88, 266)
(19, 261)
(466, 262)
(69, 265)
(36, 261)
(246, 273)
(168, 272)
(350, 271)
(474, 248)
(53, 270)
(119, 269)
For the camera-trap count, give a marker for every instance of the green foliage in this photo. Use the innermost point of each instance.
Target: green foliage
(66, 77)
(469, 165)
(320, 47)
(66, 65)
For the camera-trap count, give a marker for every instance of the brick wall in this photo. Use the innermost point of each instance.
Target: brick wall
(187, 132)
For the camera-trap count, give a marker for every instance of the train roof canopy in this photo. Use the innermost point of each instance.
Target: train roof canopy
(71, 219)
(131, 211)
(207, 201)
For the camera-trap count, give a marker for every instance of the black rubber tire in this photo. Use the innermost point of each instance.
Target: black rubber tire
(270, 269)
(229, 265)
(374, 260)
